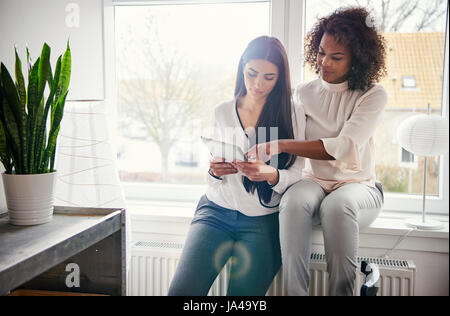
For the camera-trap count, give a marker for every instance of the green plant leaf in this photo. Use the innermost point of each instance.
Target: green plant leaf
(34, 150)
(54, 130)
(42, 131)
(44, 68)
(11, 94)
(4, 151)
(13, 120)
(20, 82)
(20, 85)
(4, 155)
(33, 103)
(39, 136)
(12, 136)
(32, 88)
(38, 108)
(28, 63)
(50, 75)
(53, 98)
(64, 77)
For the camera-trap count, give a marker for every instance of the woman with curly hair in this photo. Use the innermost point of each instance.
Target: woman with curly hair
(343, 108)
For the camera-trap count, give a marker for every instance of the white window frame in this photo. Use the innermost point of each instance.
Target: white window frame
(287, 24)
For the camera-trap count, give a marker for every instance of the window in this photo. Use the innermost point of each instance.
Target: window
(406, 156)
(203, 40)
(174, 63)
(408, 82)
(415, 32)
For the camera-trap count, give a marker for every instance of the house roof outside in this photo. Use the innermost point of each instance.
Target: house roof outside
(412, 59)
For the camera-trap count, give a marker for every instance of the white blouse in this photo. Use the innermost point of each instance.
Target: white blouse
(230, 191)
(345, 121)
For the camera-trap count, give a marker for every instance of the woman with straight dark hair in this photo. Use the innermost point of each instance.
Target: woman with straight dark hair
(343, 109)
(237, 218)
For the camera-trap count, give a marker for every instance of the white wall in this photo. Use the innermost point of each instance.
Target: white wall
(34, 22)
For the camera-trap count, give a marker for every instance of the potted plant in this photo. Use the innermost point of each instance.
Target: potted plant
(29, 126)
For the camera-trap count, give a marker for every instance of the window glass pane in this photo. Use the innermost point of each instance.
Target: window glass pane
(415, 34)
(407, 156)
(409, 82)
(174, 63)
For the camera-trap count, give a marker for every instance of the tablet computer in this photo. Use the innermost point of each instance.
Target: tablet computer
(221, 149)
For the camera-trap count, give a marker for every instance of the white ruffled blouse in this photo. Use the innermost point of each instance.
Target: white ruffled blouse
(229, 192)
(345, 121)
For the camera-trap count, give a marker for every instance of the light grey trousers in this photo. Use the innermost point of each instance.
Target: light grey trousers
(306, 204)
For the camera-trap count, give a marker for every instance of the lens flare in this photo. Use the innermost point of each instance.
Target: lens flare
(239, 256)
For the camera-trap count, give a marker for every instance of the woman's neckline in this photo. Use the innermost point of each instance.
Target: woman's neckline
(334, 87)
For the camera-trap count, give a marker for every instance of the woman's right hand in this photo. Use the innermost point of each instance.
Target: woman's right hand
(220, 168)
(263, 151)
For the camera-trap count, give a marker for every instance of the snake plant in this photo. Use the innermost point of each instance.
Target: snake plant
(30, 121)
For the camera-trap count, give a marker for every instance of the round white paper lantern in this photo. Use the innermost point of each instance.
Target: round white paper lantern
(424, 135)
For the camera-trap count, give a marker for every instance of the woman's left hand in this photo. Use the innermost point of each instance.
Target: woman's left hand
(257, 171)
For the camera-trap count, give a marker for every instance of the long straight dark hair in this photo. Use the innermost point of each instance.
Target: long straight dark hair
(277, 109)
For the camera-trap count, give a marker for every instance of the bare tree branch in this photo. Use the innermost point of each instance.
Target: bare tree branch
(402, 13)
(393, 17)
(429, 15)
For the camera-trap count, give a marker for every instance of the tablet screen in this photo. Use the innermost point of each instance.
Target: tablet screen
(221, 149)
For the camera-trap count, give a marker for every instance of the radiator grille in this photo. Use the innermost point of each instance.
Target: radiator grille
(158, 245)
(315, 257)
(395, 263)
(153, 264)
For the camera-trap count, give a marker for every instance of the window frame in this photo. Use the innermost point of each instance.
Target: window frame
(288, 24)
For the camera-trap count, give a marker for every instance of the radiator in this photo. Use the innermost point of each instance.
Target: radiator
(153, 265)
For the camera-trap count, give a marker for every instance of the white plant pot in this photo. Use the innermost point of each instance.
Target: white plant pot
(29, 197)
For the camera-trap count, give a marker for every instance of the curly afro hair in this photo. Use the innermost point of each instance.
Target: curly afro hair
(354, 27)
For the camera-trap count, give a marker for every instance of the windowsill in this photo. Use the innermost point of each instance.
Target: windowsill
(388, 223)
(189, 194)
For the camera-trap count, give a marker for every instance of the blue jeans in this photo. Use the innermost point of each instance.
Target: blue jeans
(218, 234)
